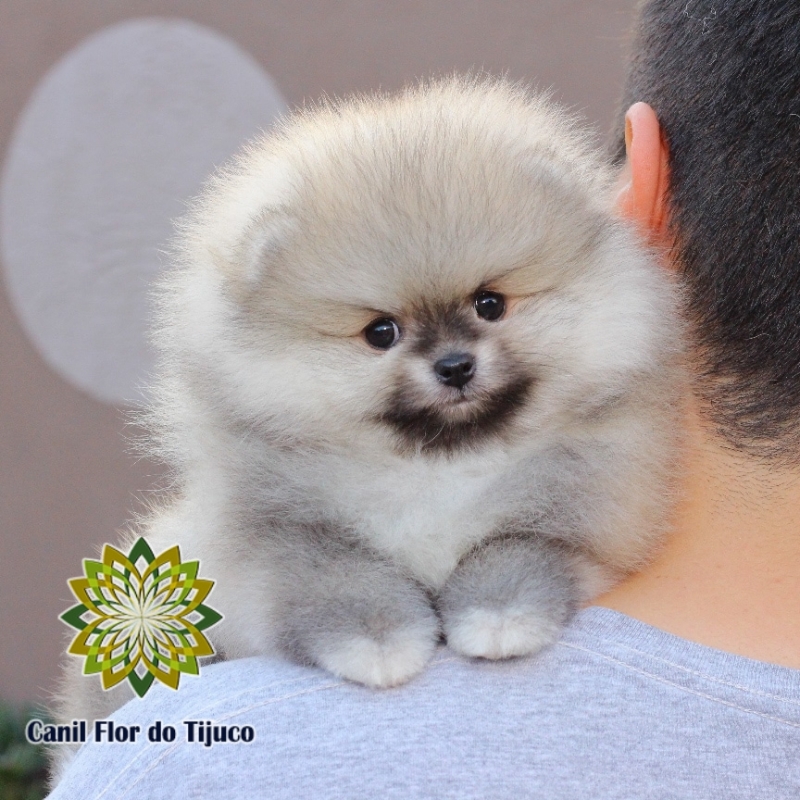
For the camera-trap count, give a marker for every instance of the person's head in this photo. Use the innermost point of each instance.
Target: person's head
(723, 79)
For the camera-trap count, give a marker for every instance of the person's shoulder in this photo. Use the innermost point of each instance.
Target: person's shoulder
(613, 699)
(291, 714)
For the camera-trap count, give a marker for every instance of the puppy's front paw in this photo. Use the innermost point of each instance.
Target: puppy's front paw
(363, 621)
(510, 597)
(500, 633)
(391, 660)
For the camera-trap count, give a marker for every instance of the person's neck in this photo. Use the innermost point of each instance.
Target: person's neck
(729, 574)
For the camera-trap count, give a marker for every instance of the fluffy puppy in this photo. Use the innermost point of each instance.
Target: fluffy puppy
(417, 380)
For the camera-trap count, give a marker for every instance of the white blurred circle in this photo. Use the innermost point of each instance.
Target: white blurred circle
(113, 141)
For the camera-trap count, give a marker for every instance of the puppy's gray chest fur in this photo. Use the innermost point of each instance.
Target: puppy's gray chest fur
(423, 512)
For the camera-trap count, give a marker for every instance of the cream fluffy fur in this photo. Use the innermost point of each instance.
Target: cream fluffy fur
(350, 505)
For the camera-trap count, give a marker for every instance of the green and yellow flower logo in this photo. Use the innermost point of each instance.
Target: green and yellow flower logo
(140, 617)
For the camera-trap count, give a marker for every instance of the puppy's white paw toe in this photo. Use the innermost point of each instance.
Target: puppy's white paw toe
(492, 633)
(381, 664)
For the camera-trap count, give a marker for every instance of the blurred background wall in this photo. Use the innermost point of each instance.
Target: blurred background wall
(111, 113)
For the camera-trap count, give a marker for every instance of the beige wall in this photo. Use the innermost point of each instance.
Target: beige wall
(66, 482)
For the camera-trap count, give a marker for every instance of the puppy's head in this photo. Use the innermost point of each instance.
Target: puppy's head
(440, 268)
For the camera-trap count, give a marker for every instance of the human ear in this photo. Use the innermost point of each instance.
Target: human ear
(643, 195)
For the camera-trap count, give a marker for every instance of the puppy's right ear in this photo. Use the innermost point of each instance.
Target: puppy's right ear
(260, 247)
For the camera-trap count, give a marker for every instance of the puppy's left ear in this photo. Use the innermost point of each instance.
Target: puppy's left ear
(644, 192)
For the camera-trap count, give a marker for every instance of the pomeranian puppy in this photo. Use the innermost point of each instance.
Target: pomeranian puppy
(417, 380)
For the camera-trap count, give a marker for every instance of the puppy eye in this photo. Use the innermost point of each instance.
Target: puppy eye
(490, 305)
(382, 333)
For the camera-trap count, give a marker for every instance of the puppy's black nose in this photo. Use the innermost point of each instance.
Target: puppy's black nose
(455, 369)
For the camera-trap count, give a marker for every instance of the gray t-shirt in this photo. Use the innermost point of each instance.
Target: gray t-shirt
(616, 709)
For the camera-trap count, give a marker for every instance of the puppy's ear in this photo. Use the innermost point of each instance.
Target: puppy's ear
(261, 245)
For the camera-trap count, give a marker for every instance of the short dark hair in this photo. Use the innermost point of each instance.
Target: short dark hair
(723, 77)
